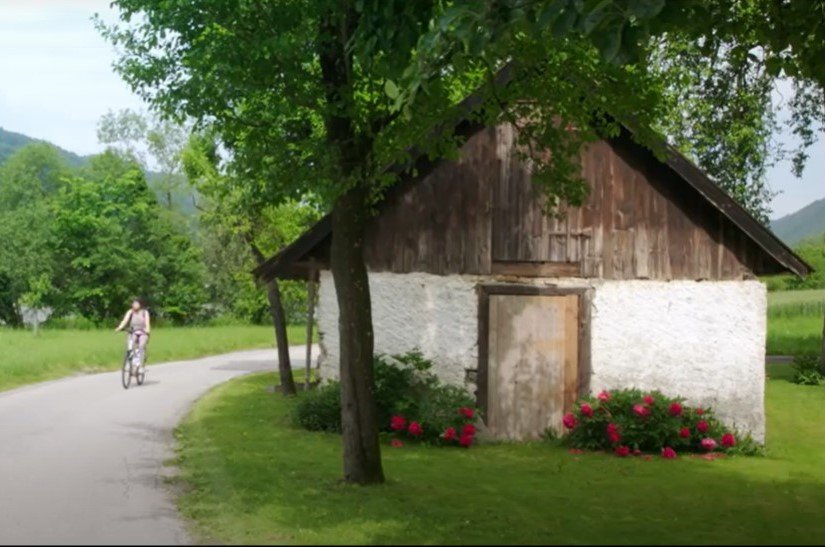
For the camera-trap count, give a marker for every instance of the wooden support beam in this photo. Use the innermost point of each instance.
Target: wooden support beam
(537, 269)
(310, 322)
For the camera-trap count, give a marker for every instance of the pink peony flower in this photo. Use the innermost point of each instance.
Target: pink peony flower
(587, 410)
(668, 453)
(648, 399)
(415, 429)
(603, 396)
(468, 429)
(569, 421)
(622, 451)
(675, 409)
(466, 412)
(684, 432)
(702, 426)
(449, 434)
(614, 436)
(641, 410)
(395, 443)
(398, 423)
(465, 440)
(708, 444)
(728, 440)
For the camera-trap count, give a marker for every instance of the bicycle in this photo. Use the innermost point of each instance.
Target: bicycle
(134, 363)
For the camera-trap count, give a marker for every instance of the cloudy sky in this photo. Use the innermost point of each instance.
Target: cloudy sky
(56, 81)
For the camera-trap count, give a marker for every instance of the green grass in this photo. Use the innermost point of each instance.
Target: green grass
(26, 358)
(254, 478)
(795, 321)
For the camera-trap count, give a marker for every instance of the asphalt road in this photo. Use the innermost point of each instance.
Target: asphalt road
(82, 460)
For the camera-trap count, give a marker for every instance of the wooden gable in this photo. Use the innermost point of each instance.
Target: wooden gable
(483, 215)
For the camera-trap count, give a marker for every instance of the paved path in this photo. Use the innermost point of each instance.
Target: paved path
(82, 460)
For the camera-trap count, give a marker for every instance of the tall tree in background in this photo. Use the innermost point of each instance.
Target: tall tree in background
(155, 144)
(29, 181)
(323, 95)
(235, 212)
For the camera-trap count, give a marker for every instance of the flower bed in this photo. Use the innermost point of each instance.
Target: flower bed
(460, 430)
(412, 404)
(631, 422)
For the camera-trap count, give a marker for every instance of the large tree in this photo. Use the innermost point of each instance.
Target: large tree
(324, 94)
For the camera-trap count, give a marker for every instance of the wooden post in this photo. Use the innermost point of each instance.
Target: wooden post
(310, 321)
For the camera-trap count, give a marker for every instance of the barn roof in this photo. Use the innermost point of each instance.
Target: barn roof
(290, 261)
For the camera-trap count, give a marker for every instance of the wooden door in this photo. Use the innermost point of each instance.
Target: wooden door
(532, 363)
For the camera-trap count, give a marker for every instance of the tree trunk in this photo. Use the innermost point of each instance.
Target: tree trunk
(362, 453)
(276, 311)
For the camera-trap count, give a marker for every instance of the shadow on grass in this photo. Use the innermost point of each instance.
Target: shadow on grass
(258, 479)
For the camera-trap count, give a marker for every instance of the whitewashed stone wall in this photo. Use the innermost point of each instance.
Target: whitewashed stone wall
(699, 339)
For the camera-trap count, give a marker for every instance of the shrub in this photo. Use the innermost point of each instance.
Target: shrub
(632, 421)
(807, 371)
(406, 389)
(320, 409)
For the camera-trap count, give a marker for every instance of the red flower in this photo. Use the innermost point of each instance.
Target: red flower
(675, 409)
(728, 440)
(668, 453)
(641, 410)
(648, 399)
(702, 426)
(396, 443)
(708, 444)
(398, 423)
(699, 411)
(466, 412)
(684, 432)
(622, 451)
(604, 396)
(415, 429)
(612, 427)
(465, 440)
(449, 434)
(468, 429)
(614, 436)
(587, 410)
(569, 421)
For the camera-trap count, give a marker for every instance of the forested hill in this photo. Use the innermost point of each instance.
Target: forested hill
(10, 142)
(805, 223)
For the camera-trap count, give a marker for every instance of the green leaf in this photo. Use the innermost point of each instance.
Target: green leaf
(645, 9)
(564, 23)
(391, 89)
(773, 65)
(609, 42)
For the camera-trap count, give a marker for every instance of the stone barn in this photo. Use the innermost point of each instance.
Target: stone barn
(650, 284)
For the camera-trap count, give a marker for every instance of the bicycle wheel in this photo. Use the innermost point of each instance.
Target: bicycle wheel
(126, 370)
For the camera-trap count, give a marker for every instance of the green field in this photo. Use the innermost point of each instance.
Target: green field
(26, 358)
(251, 477)
(795, 321)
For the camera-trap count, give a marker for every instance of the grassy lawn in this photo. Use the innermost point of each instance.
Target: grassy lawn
(254, 478)
(795, 321)
(26, 358)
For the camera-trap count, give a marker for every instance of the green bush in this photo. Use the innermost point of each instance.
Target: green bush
(320, 409)
(807, 370)
(632, 421)
(404, 386)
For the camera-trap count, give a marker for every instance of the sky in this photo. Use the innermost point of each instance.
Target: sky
(56, 81)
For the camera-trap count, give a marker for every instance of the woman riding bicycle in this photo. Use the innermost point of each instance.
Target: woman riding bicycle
(139, 326)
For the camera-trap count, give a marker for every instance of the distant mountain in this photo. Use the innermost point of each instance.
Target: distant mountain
(807, 222)
(11, 142)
